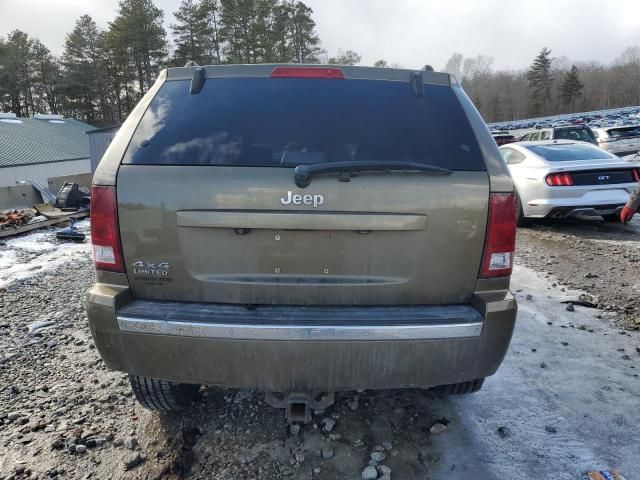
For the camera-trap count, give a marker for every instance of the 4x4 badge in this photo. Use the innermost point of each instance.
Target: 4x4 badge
(161, 265)
(291, 199)
(160, 269)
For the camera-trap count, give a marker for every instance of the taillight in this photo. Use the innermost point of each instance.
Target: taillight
(500, 242)
(105, 235)
(559, 180)
(307, 72)
(635, 173)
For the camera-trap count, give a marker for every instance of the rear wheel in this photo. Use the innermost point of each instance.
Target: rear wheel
(459, 388)
(611, 217)
(161, 395)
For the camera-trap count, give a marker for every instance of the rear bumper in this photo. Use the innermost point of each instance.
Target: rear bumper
(592, 211)
(297, 348)
(572, 201)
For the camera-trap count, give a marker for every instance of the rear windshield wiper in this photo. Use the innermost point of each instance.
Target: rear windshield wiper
(304, 173)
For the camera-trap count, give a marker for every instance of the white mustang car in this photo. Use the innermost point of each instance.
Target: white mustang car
(558, 179)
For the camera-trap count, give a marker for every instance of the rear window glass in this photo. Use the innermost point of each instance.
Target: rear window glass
(624, 132)
(560, 153)
(280, 122)
(582, 134)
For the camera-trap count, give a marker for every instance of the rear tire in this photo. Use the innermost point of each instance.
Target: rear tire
(612, 217)
(459, 388)
(161, 395)
(521, 220)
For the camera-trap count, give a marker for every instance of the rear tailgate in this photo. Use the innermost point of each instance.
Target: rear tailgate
(209, 211)
(624, 139)
(379, 239)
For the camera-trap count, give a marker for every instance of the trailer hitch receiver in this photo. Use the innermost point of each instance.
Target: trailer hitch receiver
(299, 404)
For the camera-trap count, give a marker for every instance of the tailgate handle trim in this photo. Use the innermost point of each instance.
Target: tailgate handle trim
(301, 220)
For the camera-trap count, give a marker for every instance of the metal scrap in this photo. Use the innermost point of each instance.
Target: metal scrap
(34, 327)
(15, 218)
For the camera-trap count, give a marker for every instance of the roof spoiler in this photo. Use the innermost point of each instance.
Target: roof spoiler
(198, 79)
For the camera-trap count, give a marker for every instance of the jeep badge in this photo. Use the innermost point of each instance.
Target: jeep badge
(291, 199)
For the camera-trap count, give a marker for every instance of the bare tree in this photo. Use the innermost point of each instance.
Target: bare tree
(454, 65)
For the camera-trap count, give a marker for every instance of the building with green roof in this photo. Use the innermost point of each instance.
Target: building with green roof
(42, 147)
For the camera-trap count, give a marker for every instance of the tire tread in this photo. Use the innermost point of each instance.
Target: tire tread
(462, 388)
(162, 395)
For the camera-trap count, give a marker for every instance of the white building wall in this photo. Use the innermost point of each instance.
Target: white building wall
(10, 175)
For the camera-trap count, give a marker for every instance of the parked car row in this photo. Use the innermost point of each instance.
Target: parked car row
(616, 131)
(618, 117)
(620, 141)
(580, 133)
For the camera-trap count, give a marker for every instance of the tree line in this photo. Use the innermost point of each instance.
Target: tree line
(549, 86)
(101, 74)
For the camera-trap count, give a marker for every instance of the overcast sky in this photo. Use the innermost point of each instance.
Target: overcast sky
(409, 32)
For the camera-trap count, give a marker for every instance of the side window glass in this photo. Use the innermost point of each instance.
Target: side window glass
(535, 136)
(516, 157)
(545, 135)
(512, 156)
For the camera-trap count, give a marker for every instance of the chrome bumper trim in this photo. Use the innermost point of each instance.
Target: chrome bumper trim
(228, 331)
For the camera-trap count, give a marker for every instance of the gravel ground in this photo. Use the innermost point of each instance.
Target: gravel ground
(559, 406)
(600, 258)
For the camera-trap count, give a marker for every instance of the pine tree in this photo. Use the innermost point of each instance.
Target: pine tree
(121, 73)
(190, 32)
(266, 32)
(283, 12)
(571, 87)
(47, 79)
(81, 61)
(211, 10)
(17, 73)
(293, 33)
(236, 25)
(4, 94)
(304, 41)
(540, 81)
(138, 33)
(258, 31)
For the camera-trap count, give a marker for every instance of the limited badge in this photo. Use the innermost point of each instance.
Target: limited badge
(152, 273)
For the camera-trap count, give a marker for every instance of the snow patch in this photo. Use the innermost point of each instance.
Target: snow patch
(29, 255)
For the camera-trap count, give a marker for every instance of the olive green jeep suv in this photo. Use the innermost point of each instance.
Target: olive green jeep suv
(302, 230)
